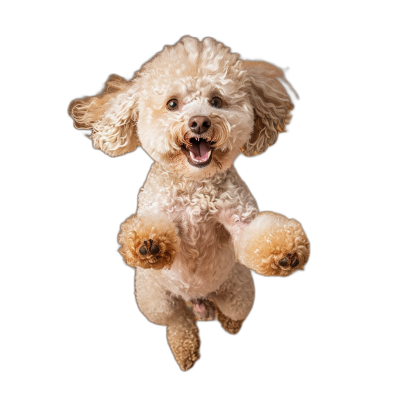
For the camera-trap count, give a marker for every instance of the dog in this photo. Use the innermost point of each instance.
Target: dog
(197, 234)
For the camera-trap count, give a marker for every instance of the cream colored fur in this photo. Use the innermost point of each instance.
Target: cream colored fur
(197, 231)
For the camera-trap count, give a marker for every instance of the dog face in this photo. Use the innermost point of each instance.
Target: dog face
(193, 108)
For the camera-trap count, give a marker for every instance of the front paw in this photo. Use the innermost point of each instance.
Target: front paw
(150, 251)
(149, 242)
(289, 262)
(273, 245)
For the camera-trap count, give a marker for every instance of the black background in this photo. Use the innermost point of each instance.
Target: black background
(93, 325)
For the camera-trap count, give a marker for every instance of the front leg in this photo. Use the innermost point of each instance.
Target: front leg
(266, 242)
(149, 241)
(272, 245)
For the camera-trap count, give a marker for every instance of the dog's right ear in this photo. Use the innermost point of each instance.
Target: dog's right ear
(111, 115)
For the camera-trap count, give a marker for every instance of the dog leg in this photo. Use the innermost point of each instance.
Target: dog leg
(183, 339)
(159, 307)
(230, 325)
(207, 310)
(235, 298)
(155, 303)
(149, 241)
(273, 245)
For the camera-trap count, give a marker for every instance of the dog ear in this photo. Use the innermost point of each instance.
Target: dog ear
(111, 115)
(271, 103)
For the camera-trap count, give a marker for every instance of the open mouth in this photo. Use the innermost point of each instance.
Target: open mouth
(198, 152)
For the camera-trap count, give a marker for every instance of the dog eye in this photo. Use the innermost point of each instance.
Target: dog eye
(172, 105)
(216, 102)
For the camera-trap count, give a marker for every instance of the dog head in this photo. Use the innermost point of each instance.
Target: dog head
(193, 108)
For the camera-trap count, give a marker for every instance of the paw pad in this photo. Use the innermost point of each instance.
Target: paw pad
(290, 259)
(148, 243)
(149, 247)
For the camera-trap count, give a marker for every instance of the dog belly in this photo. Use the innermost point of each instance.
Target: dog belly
(195, 283)
(196, 277)
(190, 285)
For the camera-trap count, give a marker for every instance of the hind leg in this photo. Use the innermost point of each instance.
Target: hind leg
(183, 339)
(161, 308)
(234, 299)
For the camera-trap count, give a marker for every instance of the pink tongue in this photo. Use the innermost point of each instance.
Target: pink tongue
(200, 149)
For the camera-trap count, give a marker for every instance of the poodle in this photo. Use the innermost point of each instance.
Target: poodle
(197, 233)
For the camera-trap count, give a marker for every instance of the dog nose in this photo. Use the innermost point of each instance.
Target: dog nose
(199, 124)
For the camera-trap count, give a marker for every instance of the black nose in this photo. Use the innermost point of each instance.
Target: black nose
(199, 124)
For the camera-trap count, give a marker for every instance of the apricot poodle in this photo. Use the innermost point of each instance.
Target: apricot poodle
(197, 232)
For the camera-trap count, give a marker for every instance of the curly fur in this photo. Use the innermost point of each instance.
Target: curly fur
(161, 231)
(111, 116)
(197, 231)
(267, 238)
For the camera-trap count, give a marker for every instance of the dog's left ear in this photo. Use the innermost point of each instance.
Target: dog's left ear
(271, 103)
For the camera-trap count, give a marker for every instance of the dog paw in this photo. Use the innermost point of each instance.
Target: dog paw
(150, 249)
(274, 245)
(230, 325)
(183, 339)
(289, 261)
(156, 253)
(148, 243)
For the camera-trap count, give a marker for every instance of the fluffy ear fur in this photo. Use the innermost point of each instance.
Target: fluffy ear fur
(111, 116)
(271, 102)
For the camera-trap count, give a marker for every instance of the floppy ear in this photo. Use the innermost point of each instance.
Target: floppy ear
(271, 103)
(111, 115)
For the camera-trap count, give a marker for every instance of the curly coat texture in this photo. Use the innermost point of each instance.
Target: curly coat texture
(161, 231)
(266, 238)
(197, 231)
